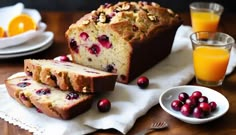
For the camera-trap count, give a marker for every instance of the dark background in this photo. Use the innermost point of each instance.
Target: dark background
(87, 5)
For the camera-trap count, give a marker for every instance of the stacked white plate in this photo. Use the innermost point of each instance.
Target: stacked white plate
(34, 45)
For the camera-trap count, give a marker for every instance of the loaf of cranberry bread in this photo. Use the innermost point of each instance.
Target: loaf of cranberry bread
(126, 38)
(49, 100)
(69, 76)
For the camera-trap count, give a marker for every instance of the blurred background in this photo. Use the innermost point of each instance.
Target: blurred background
(87, 5)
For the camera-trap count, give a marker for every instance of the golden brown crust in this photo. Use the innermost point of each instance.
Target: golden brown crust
(53, 104)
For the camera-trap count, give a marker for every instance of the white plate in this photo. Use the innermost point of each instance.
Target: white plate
(45, 43)
(35, 43)
(26, 53)
(171, 94)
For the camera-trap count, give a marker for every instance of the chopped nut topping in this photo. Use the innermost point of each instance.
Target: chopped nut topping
(177, 16)
(102, 18)
(152, 17)
(85, 22)
(106, 5)
(143, 3)
(94, 16)
(170, 11)
(123, 7)
(48, 76)
(85, 89)
(59, 73)
(94, 12)
(155, 4)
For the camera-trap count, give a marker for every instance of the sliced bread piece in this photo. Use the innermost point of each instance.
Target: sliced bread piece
(69, 76)
(49, 100)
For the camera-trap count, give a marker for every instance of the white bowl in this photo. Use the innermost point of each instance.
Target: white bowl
(171, 94)
(10, 12)
(22, 38)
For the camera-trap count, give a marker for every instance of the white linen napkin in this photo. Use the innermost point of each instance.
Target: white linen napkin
(128, 101)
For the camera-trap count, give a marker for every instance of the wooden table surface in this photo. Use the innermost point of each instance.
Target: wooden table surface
(58, 22)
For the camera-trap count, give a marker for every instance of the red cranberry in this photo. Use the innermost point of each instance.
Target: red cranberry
(95, 18)
(213, 106)
(25, 79)
(72, 95)
(108, 18)
(206, 108)
(23, 84)
(104, 41)
(94, 49)
(28, 73)
(104, 105)
(197, 112)
(53, 77)
(122, 77)
(110, 68)
(112, 14)
(183, 96)
(186, 110)
(38, 110)
(143, 82)
(92, 72)
(43, 91)
(84, 36)
(192, 101)
(107, 5)
(197, 94)
(176, 105)
(74, 46)
(203, 99)
(135, 28)
(64, 58)
(22, 96)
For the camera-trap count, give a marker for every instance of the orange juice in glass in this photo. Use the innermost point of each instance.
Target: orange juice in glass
(211, 55)
(205, 16)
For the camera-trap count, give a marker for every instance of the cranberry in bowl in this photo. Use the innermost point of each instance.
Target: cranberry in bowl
(201, 105)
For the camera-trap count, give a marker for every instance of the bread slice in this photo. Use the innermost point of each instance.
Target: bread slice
(69, 76)
(51, 101)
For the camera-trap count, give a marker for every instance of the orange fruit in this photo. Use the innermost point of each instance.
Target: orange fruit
(21, 24)
(2, 32)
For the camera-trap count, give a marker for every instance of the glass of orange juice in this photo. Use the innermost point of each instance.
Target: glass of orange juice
(205, 16)
(211, 54)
